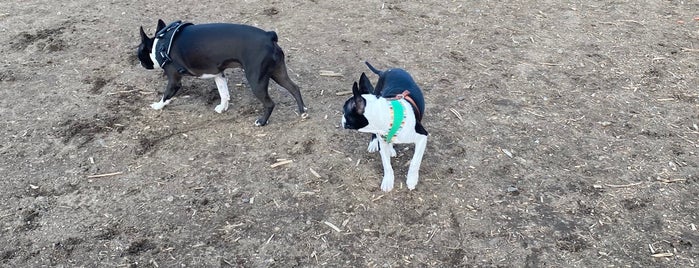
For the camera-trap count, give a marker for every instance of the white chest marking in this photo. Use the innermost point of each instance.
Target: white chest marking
(152, 52)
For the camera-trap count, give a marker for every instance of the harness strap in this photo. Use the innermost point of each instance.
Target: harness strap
(167, 36)
(404, 95)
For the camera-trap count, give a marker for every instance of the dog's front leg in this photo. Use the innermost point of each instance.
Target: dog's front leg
(222, 85)
(414, 169)
(387, 182)
(173, 85)
(374, 146)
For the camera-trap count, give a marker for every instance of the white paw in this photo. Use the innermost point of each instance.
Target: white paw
(373, 146)
(221, 107)
(411, 182)
(387, 184)
(159, 105)
(393, 151)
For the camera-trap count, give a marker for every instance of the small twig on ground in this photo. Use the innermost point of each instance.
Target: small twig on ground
(662, 255)
(315, 173)
(431, 235)
(686, 49)
(330, 74)
(624, 185)
(128, 91)
(506, 152)
(455, 112)
(550, 64)
(532, 112)
(104, 175)
(281, 163)
(341, 93)
(632, 21)
(670, 181)
(333, 226)
(377, 198)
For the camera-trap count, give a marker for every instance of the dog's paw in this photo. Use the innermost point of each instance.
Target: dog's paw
(373, 146)
(393, 151)
(387, 184)
(304, 115)
(159, 105)
(221, 107)
(411, 182)
(259, 123)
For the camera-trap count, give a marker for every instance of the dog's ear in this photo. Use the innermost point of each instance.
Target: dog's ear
(355, 90)
(161, 25)
(365, 85)
(359, 101)
(144, 36)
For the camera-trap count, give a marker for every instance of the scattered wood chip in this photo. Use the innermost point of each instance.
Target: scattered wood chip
(624, 185)
(662, 255)
(128, 91)
(506, 152)
(455, 112)
(330, 73)
(281, 163)
(377, 198)
(670, 181)
(341, 93)
(315, 173)
(333, 226)
(104, 175)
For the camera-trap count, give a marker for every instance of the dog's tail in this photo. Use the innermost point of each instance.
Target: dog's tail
(273, 36)
(373, 69)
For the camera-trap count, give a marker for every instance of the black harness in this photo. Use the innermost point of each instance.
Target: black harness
(162, 49)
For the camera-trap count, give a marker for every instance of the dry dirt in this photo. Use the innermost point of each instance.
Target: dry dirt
(562, 135)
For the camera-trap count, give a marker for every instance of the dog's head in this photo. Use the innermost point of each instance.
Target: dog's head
(146, 47)
(353, 117)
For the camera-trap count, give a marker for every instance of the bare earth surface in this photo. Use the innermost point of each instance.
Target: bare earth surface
(562, 135)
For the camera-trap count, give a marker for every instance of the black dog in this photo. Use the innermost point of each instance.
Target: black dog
(206, 50)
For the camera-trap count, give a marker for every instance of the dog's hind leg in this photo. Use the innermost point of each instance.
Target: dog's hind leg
(281, 76)
(259, 87)
(373, 144)
(222, 85)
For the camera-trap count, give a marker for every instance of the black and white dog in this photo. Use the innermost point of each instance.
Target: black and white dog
(206, 50)
(392, 112)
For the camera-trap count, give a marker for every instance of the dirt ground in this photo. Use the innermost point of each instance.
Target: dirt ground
(562, 135)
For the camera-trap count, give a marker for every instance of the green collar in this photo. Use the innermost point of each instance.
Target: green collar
(398, 116)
